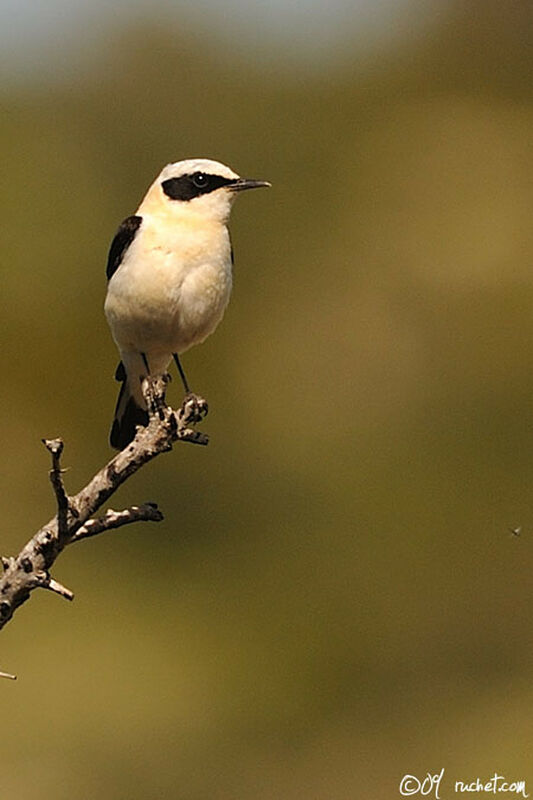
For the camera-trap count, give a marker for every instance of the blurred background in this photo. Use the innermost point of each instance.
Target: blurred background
(335, 598)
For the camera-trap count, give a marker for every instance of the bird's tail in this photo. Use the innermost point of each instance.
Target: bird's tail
(128, 413)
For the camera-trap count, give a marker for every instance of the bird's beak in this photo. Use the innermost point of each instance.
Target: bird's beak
(241, 184)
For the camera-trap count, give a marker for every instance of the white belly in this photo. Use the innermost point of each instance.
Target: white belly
(164, 298)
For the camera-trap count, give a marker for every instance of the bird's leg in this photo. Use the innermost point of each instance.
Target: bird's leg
(182, 373)
(156, 400)
(145, 362)
(194, 407)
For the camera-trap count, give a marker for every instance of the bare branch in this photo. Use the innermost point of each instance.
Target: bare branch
(55, 447)
(30, 569)
(148, 512)
(57, 587)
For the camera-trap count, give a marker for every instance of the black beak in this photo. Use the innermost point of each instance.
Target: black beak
(240, 184)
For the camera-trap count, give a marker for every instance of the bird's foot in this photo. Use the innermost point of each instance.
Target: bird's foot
(153, 389)
(194, 409)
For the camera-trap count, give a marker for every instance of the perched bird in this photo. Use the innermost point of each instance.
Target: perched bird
(170, 274)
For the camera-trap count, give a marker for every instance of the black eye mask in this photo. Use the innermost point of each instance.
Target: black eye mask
(187, 187)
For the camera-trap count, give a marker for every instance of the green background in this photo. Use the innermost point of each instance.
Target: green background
(334, 598)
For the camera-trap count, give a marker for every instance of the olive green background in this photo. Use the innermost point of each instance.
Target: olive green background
(334, 598)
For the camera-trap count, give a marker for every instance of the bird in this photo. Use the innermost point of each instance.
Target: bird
(169, 272)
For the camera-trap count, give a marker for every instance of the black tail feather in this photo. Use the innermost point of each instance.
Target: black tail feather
(120, 372)
(128, 414)
(123, 429)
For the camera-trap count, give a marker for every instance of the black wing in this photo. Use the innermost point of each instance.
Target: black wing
(123, 238)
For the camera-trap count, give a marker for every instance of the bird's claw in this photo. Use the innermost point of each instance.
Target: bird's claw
(194, 409)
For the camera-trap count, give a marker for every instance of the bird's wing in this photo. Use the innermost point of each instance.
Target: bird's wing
(123, 238)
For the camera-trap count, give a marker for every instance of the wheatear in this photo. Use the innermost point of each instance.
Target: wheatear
(169, 272)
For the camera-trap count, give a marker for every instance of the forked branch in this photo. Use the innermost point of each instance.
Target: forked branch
(74, 521)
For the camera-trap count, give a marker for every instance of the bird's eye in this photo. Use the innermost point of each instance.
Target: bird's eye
(200, 180)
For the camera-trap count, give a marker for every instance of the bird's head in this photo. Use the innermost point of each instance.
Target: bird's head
(197, 187)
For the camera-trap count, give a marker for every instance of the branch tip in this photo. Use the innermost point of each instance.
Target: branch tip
(58, 588)
(192, 436)
(8, 675)
(148, 512)
(54, 446)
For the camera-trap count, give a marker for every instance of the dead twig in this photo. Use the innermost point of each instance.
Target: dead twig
(148, 512)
